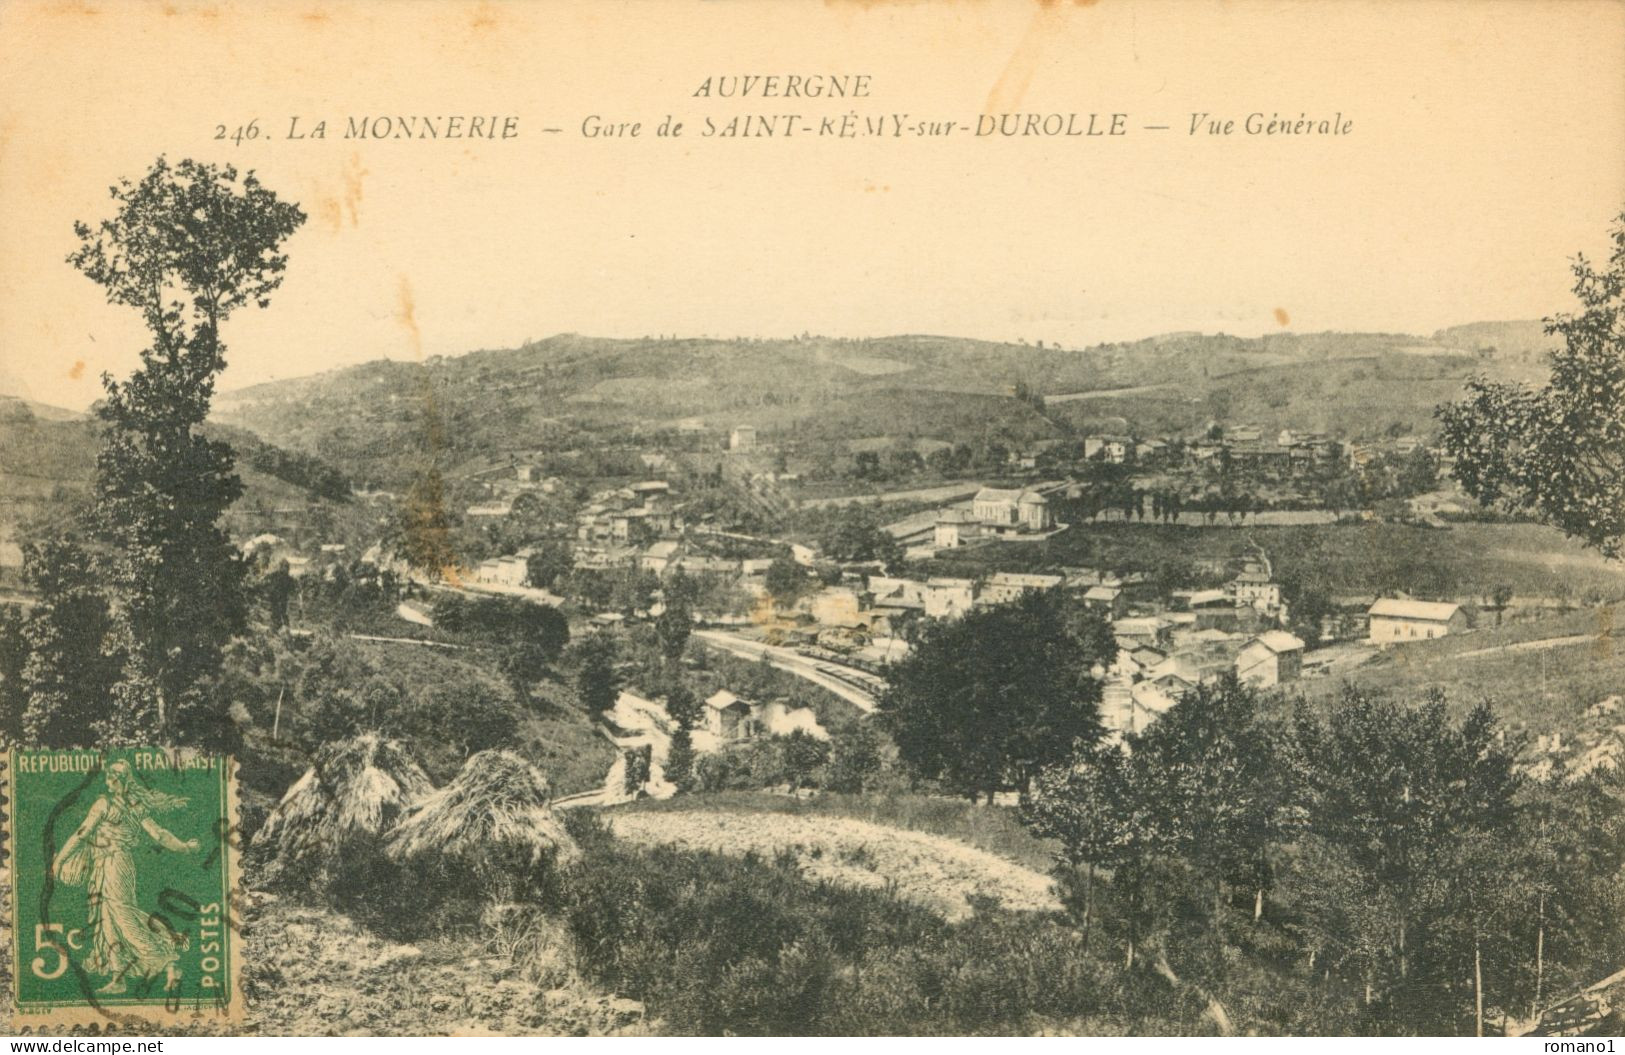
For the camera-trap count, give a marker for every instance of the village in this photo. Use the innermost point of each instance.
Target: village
(606, 554)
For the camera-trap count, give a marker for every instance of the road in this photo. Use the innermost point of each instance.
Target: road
(856, 687)
(1529, 646)
(1106, 393)
(946, 493)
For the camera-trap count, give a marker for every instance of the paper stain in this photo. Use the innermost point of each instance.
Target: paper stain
(1011, 86)
(1603, 647)
(344, 208)
(407, 315)
(1282, 318)
(870, 188)
(77, 370)
(426, 516)
(484, 18)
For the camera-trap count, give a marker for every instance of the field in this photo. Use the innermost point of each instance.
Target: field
(937, 873)
(992, 829)
(1534, 691)
(1465, 562)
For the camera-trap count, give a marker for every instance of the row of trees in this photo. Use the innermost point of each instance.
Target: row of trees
(1416, 872)
(1390, 852)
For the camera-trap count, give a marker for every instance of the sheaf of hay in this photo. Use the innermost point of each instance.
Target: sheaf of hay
(354, 793)
(496, 816)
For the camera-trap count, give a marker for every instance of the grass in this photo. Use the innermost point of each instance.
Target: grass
(725, 945)
(995, 829)
(1466, 562)
(1534, 691)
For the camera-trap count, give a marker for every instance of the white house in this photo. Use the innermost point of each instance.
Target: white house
(952, 528)
(1114, 449)
(997, 507)
(1393, 620)
(742, 438)
(1254, 587)
(949, 598)
(504, 571)
(1272, 658)
(728, 718)
(1004, 587)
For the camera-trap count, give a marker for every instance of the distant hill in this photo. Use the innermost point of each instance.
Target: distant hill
(379, 421)
(48, 462)
(17, 408)
(1527, 340)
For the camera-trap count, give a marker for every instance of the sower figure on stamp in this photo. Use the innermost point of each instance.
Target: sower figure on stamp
(125, 941)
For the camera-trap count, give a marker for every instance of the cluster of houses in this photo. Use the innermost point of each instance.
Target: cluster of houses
(639, 513)
(1243, 446)
(996, 513)
(641, 723)
(504, 484)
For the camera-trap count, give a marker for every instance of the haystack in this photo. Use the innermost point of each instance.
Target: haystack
(492, 830)
(352, 796)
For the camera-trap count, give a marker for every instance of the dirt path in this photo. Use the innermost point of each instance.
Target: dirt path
(1529, 646)
(926, 869)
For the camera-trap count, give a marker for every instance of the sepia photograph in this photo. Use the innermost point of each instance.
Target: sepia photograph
(715, 518)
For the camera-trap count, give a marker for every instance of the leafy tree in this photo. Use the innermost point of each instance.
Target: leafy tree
(1557, 452)
(857, 757)
(859, 536)
(1210, 770)
(1404, 814)
(524, 664)
(187, 246)
(676, 621)
(985, 701)
(67, 679)
(467, 716)
(786, 580)
(680, 757)
(683, 706)
(13, 658)
(1308, 602)
(547, 562)
(1500, 596)
(277, 588)
(804, 756)
(597, 679)
(424, 541)
(1087, 806)
(632, 590)
(866, 466)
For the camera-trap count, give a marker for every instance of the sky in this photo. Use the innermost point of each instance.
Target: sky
(1486, 147)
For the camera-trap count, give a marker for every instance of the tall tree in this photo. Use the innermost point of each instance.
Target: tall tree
(1211, 770)
(1557, 452)
(597, 679)
(67, 677)
(1086, 804)
(676, 619)
(985, 701)
(186, 247)
(14, 653)
(1402, 811)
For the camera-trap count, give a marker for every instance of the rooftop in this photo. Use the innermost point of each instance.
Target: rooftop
(1430, 611)
(1279, 641)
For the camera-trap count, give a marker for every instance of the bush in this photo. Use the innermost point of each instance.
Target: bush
(744, 946)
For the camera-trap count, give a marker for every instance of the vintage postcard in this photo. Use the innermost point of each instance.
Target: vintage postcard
(813, 519)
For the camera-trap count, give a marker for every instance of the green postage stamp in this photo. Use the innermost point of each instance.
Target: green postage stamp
(123, 867)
